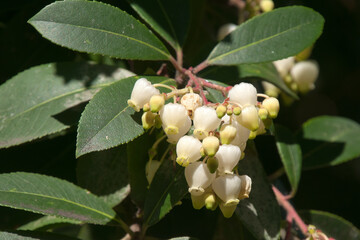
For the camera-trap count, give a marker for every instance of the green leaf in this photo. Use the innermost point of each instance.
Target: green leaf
(138, 156)
(105, 174)
(260, 213)
(170, 19)
(278, 34)
(26, 235)
(52, 196)
(329, 141)
(234, 74)
(331, 224)
(108, 121)
(290, 154)
(31, 102)
(46, 221)
(166, 190)
(94, 27)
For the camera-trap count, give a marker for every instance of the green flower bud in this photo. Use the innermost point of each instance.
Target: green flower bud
(237, 111)
(210, 201)
(156, 103)
(263, 113)
(220, 111)
(212, 164)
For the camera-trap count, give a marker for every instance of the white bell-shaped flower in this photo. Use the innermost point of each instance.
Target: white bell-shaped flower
(142, 92)
(245, 187)
(198, 177)
(283, 66)
(243, 94)
(227, 188)
(205, 120)
(304, 74)
(173, 117)
(224, 30)
(242, 133)
(228, 157)
(188, 150)
(249, 118)
(174, 138)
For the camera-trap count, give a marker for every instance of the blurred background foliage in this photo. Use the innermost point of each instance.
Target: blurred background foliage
(332, 189)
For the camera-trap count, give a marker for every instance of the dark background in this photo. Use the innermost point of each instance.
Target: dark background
(335, 189)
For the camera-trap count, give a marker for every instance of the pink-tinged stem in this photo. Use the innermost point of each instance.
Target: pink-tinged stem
(213, 86)
(291, 212)
(200, 67)
(198, 85)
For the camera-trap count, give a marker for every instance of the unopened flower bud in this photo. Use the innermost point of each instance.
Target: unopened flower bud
(245, 187)
(283, 66)
(263, 113)
(173, 116)
(212, 164)
(237, 111)
(198, 178)
(158, 122)
(272, 105)
(142, 92)
(242, 133)
(202, 152)
(151, 168)
(229, 110)
(205, 120)
(270, 89)
(148, 120)
(156, 103)
(227, 211)
(227, 133)
(146, 107)
(220, 111)
(198, 201)
(266, 5)
(210, 201)
(211, 145)
(187, 150)
(249, 118)
(228, 157)
(227, 188)
(252, 135)
(243, 94)
(224, 30)
(294, 86)
(304, 74)
(191, 101)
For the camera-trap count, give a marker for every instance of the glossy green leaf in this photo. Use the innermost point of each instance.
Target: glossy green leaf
(108, 121)
(332, 225)
(290, 155)
(95, 27)
(46, 221)
(52, 196)
(329, 141)
(166, 190)
(26, 235)
(170, 19)
(278, 34)
(31, 102)
(260, 213)
(234, 74)
(105, 174)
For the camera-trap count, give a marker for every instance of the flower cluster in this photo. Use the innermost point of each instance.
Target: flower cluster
(210, 138)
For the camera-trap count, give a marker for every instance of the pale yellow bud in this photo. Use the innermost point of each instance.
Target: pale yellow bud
(148, 120)
(211, 145)
(156, 103)
(227, 133)
(158, 122)
(198, 201)
(266, 5)
(272, 105)
(146, 107)
(263, 113)
(237, 111)
(249, 118)
(220, 111)
(229, 110)
(210, 201)
(252, 135)
(227, 211)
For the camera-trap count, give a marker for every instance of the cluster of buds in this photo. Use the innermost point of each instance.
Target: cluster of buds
(210, 138)
(300, 76)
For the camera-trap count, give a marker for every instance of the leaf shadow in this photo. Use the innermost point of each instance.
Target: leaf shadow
(318, 153)
(71, 116)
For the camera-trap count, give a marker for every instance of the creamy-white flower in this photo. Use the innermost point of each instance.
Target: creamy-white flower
(198, 177)
(283, 66)
(245, 187)
(205, 120)
(173, 117)
(227, 188)
(173, 138)
(188, 150)
(304, 74)
(242, 133)
(142, 92)
(228, 157)
(243, 94)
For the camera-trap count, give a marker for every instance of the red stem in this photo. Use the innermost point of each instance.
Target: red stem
(197, 83)
(291, 212)
(200, 67)
(205, 83)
